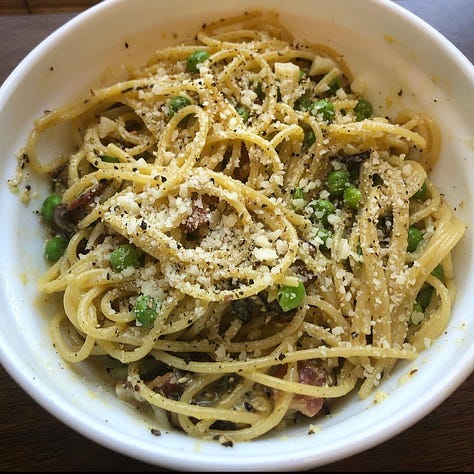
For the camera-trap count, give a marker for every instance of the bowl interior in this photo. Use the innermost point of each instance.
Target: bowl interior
(402, 62)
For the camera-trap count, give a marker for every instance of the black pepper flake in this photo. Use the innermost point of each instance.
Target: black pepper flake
(126, 45)
(24, 160)
(155, 432)
(249, 407)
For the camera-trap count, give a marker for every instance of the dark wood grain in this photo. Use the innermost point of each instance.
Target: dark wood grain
(24, 7)
(33, 440)
(13, 7)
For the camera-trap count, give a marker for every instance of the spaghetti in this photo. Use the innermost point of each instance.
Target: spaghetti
(242, 235)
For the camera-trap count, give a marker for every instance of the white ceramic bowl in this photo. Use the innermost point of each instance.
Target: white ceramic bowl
(393, 51)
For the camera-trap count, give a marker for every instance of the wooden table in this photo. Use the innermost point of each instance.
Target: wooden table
(33, 440)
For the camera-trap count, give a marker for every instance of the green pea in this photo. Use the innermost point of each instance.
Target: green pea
(290, 297)
(363, 110)
(324, 108)
(48, 207)
(417, 314)
(302, 103)
(196, 58)
(299, 199)
(309, 138)
(298, 193)
(177, 103)
(124, 256)
(334, 86)
(415, 236)
(259, 91)
(324, 234)
(420, 195)
(322, 208)
(438, 272)
(424, 296)
(244, 112)
(109, 159)
(352, 197)
(54, 248)
(337, 181)
(145, 310)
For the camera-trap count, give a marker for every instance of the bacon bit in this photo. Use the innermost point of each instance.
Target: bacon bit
(87, 196)
(198, 218)
(306, 275)
(201, 215)
(67, 216)
(167, 384)
(308, 374)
